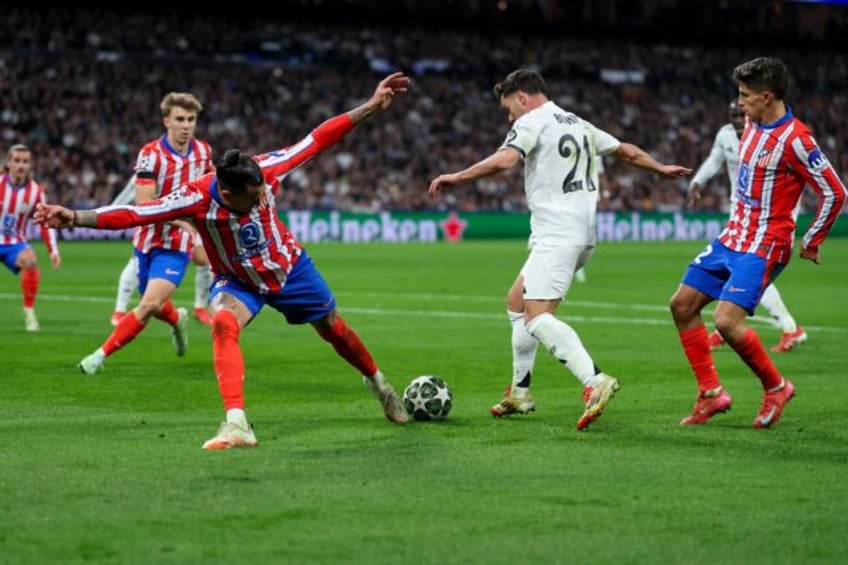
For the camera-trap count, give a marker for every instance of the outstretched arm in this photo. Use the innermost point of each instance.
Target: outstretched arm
(178, 204)
(54, 216)
(636, 156)
(280, 163)
(382, 97)
(501, 160)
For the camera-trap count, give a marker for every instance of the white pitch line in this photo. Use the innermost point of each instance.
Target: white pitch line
(564, 312)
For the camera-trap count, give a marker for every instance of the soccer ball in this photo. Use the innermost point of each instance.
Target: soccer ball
(428, 398)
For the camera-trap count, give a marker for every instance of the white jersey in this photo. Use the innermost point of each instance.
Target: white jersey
(725, 150)
(560, 172)
(127, 194)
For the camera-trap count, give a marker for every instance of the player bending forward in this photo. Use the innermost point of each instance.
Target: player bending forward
(255, 257)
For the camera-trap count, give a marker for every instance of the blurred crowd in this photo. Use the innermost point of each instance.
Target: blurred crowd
(82, 89)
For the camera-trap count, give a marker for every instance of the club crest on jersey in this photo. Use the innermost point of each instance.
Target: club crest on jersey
(765, 158)
(818, 162)
(249, 235)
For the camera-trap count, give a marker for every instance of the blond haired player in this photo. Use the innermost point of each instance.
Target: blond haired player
(177, 130)
(161, 249)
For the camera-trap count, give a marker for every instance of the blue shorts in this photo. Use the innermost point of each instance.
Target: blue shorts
(305, 296)
(731, 276)
(9, 254)
(160, 264)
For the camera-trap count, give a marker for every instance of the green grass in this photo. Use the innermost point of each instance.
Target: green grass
(109, 468)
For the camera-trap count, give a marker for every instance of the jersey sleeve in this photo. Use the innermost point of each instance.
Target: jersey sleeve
(181, 203)
(278, 164)
(146, 166)
(605, 143)
(523, 136)
(808, 160)
(712, 164)
(127, 194)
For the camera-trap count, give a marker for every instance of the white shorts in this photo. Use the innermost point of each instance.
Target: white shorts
(549, 270)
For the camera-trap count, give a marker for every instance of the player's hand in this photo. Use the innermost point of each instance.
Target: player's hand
(439, 182)
(694, 195)
(388, 87)
(674, 171)
(53, 216)
(811, 255)
(55, 260)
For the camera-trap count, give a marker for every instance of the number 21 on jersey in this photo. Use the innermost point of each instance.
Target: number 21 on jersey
(578, 160)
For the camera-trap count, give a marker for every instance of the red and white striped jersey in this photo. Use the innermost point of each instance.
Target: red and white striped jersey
(17, 204)
(776, 161)
(159, 162)
(256, 247)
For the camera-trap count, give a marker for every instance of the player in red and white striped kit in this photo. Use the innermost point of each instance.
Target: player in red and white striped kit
(161, 249)
(255, 257)
(777, 158)
(170, 161)
(725, 150)
(19, 195)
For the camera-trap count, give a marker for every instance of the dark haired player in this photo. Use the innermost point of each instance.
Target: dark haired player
(255, 257)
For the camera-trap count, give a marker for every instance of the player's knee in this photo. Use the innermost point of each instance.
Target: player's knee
(725, 325)
(27, 261)
(225, 323)
(146, 309)
(539, 326)
(681, 308)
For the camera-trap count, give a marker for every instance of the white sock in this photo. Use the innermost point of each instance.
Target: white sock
(29, 311)
(375, 383)
(237, 416)
(772, 302)
(523, 354)
(202, 280)
(126, 284)
(564, 344)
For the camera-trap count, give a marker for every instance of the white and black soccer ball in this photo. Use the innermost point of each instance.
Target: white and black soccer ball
(428, 398)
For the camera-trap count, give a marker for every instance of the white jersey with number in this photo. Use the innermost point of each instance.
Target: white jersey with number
(560, 173)
(725, 151)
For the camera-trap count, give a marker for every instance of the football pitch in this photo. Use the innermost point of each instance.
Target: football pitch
(108, 468)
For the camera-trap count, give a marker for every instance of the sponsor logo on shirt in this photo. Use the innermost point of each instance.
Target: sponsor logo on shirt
(249, 235)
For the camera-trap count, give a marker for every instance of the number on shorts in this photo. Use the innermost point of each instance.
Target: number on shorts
(707, 250)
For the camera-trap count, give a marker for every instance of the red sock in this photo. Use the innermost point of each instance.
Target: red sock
(167, 313)
(227, 358)
(349, 346)
(752, 352)
(29, 286)
(124, 332)
(696, 345)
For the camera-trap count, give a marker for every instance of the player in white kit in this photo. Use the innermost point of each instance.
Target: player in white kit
(725, 151)
(558, 149)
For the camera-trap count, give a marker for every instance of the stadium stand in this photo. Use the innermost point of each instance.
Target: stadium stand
(81, 87)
